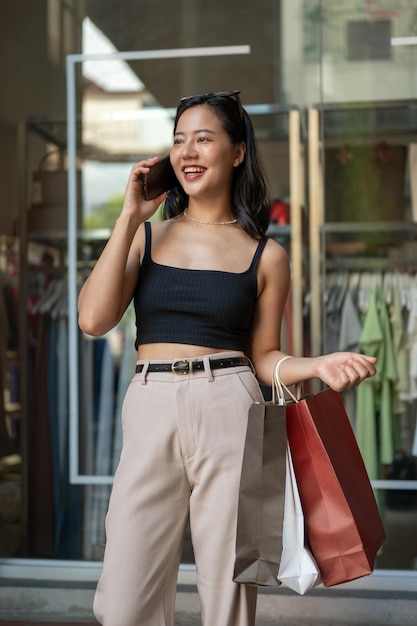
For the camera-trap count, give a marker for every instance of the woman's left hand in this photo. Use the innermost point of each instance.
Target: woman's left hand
(343, 370)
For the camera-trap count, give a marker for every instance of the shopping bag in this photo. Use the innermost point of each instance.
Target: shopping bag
(298, 569)
(343, 523)
(261, 497)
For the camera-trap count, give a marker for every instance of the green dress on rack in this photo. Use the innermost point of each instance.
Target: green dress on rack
(376, 424)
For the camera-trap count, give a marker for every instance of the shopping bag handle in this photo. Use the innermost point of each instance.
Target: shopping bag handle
(279, 389)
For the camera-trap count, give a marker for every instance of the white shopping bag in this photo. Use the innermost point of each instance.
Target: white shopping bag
(298, 569)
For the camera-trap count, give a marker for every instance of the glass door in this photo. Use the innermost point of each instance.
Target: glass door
(107, 132)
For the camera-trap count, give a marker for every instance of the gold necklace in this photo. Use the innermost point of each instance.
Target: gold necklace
(194, 219)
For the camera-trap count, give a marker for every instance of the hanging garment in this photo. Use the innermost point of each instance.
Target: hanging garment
(412, 341)
(349, 340)
(103, 453)
(366, 393)
(41, 513)
(332, 312)
(127, 366)
(398, 327)
(71, 509)
(350, 323)
(53, 395)
(375, 396)
(86, 429)
(388, 432)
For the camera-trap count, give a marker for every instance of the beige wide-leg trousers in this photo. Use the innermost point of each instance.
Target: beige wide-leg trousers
(183, 440)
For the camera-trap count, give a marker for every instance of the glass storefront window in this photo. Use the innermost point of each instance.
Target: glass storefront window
(349, 51)
(353, 63)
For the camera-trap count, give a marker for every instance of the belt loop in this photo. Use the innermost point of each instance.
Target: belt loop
(251, 365)
(207, 368)
(144, 372)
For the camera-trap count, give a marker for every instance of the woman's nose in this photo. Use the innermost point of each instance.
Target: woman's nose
(189, 150)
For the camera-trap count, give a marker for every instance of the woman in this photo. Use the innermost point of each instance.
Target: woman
(209, 291)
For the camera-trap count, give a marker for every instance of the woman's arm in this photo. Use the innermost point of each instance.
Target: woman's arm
(339, 370)
(108, 290)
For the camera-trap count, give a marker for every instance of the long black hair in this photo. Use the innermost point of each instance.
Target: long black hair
(250, 196)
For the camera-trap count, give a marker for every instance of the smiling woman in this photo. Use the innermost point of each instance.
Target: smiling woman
(209, 290)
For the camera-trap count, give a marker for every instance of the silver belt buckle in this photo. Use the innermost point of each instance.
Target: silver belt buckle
(176, 364)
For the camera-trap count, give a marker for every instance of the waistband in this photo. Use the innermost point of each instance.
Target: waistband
(188, 366)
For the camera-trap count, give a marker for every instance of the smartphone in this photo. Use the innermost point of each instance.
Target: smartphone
(159, 179)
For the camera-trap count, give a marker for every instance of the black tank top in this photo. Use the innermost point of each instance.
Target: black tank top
(198, 307)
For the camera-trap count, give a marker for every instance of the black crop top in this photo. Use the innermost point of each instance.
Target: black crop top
(198, 307)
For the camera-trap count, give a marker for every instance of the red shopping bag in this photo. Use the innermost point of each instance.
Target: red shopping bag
(343, 523)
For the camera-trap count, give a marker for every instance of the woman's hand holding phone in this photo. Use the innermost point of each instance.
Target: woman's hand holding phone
(160, 179)
(146, 187)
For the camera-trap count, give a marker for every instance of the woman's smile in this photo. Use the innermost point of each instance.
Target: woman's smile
(193, 171)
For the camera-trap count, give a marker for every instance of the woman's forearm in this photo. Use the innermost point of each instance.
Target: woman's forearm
(338, 370)
(293, 370)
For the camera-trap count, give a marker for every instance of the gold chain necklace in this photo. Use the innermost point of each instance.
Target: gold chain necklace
(194, 219)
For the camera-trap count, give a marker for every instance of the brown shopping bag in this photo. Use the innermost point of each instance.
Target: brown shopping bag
(343, 523)
(261, 497)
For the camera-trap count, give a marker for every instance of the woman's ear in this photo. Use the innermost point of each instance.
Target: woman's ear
(240, 153)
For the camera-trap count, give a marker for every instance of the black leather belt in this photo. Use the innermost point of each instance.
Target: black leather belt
(188, 366)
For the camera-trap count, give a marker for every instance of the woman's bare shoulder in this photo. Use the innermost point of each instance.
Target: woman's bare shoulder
(274, 265)
(275, 252)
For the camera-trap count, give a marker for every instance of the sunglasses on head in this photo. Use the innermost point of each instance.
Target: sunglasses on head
(219, 94)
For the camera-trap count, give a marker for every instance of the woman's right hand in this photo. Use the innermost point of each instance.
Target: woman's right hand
(134, 204)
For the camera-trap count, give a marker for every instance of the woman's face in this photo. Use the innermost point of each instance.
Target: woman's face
(202, 155)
